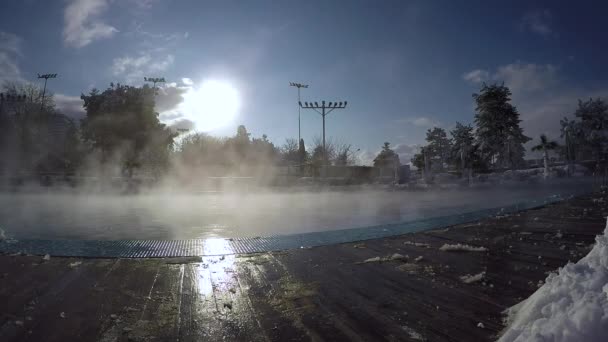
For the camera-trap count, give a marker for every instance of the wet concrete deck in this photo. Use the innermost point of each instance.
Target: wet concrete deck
(320, 294)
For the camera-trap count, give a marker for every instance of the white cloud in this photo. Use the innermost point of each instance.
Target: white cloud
(518, 76)
(476, 76)
(538, 21)
(406, 152)
(82, 24)
(132, 69)
(187, 81)
(421, 121)
(530, 77)
(10, 51)
(70, 106)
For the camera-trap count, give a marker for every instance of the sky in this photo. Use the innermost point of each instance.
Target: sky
(403, 66)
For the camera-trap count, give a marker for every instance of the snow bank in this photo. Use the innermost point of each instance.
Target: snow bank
(571, 306)
(461, 248)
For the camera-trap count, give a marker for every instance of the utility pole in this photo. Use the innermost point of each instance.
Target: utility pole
(46, 78)
(325, 109)
(154, 80)
(299, 86)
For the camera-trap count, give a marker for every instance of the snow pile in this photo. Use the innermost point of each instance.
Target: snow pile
(571, 306)
(468, 279)
(413, 334)
(461, 248)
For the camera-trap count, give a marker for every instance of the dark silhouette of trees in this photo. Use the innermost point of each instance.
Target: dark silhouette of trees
(438, 147)
(593, 126)
(499, 135)
(121, 123)
(463, 142)
(302, 153)
(36, 137)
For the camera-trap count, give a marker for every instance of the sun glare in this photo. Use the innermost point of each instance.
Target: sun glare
(211, 105)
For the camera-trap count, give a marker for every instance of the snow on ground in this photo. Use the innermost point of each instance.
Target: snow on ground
(468, 279)
(572, 305)
(394, 257)
(461, 248)
(417, 244)
(413, 334)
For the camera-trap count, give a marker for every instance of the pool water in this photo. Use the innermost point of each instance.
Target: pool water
(181, 216)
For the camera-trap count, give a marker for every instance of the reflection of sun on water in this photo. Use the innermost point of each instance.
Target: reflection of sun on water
(212, 105)
(217, 272)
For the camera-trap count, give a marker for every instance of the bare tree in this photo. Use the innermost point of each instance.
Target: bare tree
(317, 150)
(290, 151)
(345, 155)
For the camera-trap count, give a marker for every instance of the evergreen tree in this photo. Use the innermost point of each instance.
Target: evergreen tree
(462, 145)
(302, 154)
(439, 146)
(387, 157)
(498, 132)
(594, 125)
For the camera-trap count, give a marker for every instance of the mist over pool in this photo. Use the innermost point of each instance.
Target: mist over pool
(179, 215)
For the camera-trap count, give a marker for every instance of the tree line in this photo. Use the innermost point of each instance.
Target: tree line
(121, 134)
(496, 140)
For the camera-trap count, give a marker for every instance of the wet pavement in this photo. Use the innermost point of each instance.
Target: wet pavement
(402, 288)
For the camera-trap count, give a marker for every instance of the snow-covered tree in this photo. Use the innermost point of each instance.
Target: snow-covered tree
(462, 145)
(498, 132)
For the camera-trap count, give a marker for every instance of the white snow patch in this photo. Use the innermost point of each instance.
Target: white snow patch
(75, 263)
(571, 306)
(413, 334)
(468, 279)
(394, 257)
(46, 257)
(417, 244)
(374, 259)
(419, 258)
(461, 248)
(480, 325)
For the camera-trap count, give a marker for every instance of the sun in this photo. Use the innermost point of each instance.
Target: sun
(211, 105)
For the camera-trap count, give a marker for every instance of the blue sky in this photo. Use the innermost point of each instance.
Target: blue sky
(403, 66)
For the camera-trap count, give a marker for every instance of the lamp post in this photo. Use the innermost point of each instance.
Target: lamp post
(154, 80)
(46, 78)
(299, 86)
(325, 109)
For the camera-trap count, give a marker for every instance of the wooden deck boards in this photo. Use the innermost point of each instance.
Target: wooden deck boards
(323, 293)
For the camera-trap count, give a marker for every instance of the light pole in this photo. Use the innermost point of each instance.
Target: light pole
(299, 86)
(46, 78)
(154, 80)
(325, 109)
